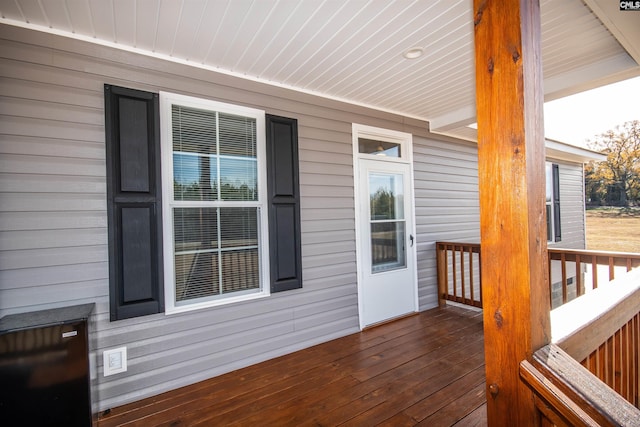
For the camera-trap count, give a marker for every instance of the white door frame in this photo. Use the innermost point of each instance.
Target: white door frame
(406, 149)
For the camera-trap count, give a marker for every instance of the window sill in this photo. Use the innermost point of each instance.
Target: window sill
(215, 303)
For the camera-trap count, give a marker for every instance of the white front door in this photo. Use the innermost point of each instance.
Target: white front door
(386, 255)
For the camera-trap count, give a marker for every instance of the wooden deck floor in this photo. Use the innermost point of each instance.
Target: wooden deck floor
(426, 369)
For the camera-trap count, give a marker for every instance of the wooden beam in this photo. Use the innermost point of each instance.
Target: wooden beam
(515, 279)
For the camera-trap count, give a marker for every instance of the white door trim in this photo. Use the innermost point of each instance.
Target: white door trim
(406, 143)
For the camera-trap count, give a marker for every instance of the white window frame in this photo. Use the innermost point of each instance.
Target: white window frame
(169, 203)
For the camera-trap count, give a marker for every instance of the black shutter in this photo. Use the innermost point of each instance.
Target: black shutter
(556, 203)
(285, 253)
(133, 202)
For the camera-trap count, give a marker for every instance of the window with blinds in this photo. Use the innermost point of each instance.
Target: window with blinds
(212, 167)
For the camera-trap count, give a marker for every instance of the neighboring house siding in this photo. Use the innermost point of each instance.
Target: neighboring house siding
(447, 204)
(53, 225)
(571, 206)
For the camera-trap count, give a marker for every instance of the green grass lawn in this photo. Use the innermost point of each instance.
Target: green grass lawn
(613, 229)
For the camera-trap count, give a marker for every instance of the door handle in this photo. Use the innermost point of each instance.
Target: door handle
(411, 239)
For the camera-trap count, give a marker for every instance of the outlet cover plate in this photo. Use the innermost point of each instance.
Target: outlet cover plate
(115, 361)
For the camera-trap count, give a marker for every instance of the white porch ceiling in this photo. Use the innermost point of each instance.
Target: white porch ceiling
(349, 50)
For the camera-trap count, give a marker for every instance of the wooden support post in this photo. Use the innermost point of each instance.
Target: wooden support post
(515, 278)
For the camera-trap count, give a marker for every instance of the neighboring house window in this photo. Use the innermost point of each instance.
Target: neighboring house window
(220, 223)
(215, 210)
(553, 202)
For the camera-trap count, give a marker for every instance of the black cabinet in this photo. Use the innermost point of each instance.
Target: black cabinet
(44, 368)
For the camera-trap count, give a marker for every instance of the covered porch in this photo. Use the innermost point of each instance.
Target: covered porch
(425, 369)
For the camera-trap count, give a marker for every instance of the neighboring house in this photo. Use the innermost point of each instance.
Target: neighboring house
(565, 193)
(296, 249)
(566, 202)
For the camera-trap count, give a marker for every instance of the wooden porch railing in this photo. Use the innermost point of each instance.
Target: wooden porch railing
(602, 331)
(572, 272)
(591, 375)
(584, 264)
(458, 266)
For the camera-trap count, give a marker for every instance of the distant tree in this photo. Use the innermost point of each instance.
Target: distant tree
(616, 181)
(594, 189)
(383, 204)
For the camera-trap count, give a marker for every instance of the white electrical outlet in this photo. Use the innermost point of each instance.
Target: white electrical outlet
(115, 361)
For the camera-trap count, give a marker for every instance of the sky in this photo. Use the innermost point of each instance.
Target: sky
(577, 118)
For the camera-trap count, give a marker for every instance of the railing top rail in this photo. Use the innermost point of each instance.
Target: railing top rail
(629, 255)
(474, 246)
(556, 250)
(458, 243)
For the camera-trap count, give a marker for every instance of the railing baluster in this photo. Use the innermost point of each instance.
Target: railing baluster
(594, 269)
(611, 269)
(624, 362)
(480, 271)
(563, 266)
(462, 275)
(600, 357)
(471, 284)
(450, 251)
(455, 272)
(550, 284)
(634, 373)
(618, 368)
(579, 285)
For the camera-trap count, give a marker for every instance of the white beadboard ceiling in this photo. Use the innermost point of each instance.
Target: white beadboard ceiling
(349, 50)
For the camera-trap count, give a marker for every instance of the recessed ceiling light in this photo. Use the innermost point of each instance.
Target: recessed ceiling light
(413, 53)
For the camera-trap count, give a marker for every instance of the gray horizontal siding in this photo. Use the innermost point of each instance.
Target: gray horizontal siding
(31, 183)
(46, 220)
(53, 235)
(47, 239)
(52, 202)
(33, 258)
(447, 204)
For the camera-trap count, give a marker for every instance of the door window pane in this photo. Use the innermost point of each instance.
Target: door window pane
(387, 246)
(379, 148)
(386, 203)
(386, 198)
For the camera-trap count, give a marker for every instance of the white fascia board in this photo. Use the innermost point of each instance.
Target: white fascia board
(553, 149)
(561, 151)
(597, 74)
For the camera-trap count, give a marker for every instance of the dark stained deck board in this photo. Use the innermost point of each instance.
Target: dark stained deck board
(477, 418)
(426, 369)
